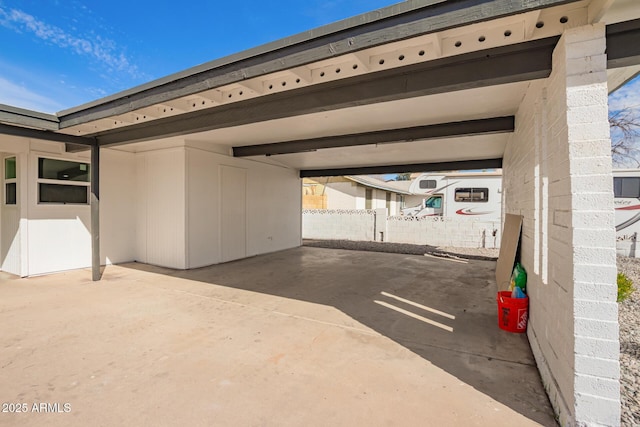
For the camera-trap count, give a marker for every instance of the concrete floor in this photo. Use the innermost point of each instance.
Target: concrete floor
(307, 336)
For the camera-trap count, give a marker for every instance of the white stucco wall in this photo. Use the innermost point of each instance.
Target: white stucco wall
(557, 174)
(343, 195)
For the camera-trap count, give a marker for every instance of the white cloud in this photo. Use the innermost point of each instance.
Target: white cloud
(18, 96)
(100, 49)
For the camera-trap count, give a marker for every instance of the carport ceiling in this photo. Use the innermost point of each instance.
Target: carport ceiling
(465, 105)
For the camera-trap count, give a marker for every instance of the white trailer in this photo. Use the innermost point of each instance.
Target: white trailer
(626, 191)
(476, 195)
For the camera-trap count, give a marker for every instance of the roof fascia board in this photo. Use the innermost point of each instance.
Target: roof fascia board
(45, 135)
(415, 167)
(435, 131)
(29, 118)
(387, 25)
(501, 65)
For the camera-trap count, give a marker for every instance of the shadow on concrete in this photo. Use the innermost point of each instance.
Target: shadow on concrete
(410, 299)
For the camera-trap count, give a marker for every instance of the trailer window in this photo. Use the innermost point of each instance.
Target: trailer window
(472, 195)
(427, 183)
(626, 187)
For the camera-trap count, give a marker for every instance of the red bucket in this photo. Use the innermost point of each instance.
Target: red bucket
(513, 313)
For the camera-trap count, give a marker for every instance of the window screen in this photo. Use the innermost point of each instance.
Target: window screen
(626, 187)
(472, 195)
(427, 183)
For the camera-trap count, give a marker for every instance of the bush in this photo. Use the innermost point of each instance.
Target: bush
(625, 287)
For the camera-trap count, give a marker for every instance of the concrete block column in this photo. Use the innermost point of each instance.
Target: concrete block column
(597, 371)
(557, 174)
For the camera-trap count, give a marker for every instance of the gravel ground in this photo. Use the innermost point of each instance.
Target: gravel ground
(405, 248)
(628, 314)
(629, 318)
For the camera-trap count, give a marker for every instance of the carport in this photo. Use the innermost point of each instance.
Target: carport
(420, 86)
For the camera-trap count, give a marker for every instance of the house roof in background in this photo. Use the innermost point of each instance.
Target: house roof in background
(400, 187)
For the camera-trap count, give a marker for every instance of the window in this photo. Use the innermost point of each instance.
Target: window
(472, 195)
(433, 202)
(626, 187)
(388, 203)
(63, 182)
(10, 181)
(368, 196)
(427, 183)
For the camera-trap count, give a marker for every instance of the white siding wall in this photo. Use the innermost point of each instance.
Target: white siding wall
(557, 174)
(118, 198)
(154, 209)
(12, 245)
(203, 210)
(273, 206)
(161, 222)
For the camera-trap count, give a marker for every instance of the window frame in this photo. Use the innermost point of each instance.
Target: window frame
(471, 191)
(6, 180)
(69, 183)
(429, 184)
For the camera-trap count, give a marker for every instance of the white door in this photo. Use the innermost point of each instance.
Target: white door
(233, 215)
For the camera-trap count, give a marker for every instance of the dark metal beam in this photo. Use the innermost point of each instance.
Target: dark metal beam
(45, 135)
(415, 167)
(75, 148)
(398, 22)
(507, 64)
(494, 125)
(623, 44)
(95, 213)
(28, 118)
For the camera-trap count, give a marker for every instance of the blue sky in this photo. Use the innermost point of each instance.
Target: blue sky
(58, 54)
